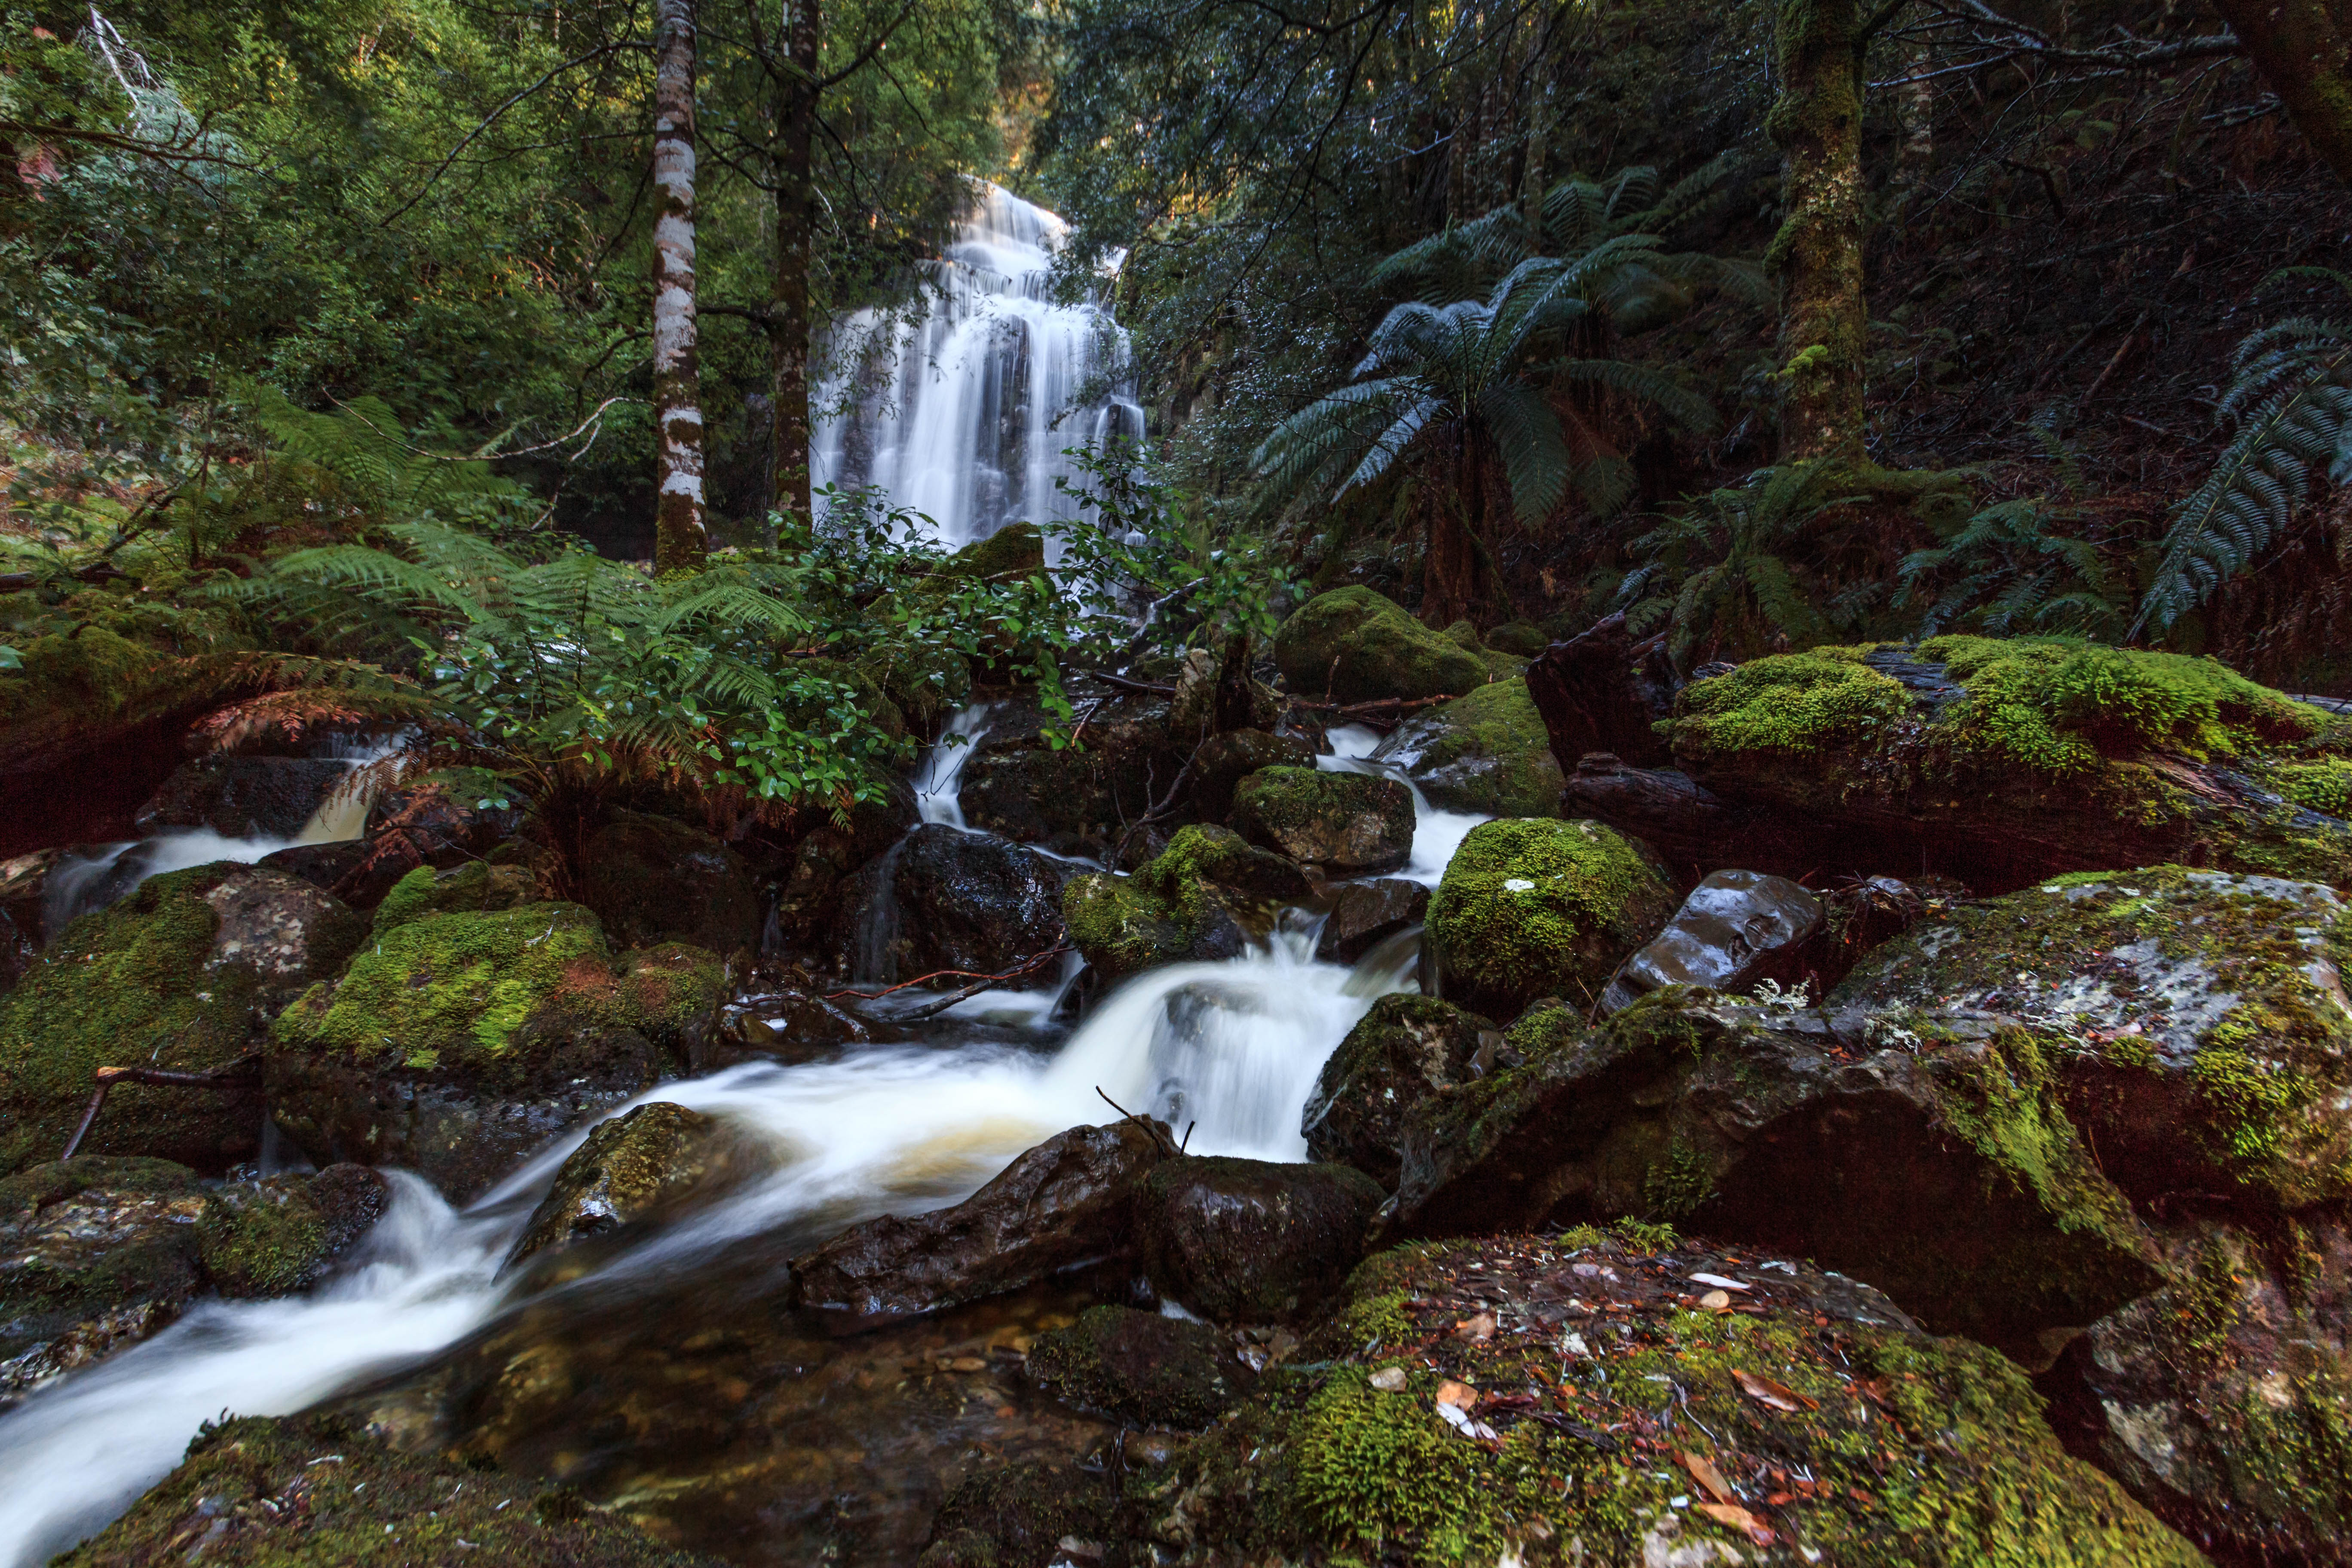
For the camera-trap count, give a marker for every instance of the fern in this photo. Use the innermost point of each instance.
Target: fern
(1729, 558)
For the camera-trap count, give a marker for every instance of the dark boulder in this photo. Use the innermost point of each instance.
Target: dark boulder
(243, 798)
(1365, 914)
(1029, 1512)
(790, 1024)
(1198, 901)
(1224, 759)
(321, 865)
(809, 898)
(1349, 824)
(946, 899)
(1252, 1241)
(1140, 1369)
(639, 1165)
(1732, 931)
(651, 880)
(1071, 799)
(1406, 1049)
(1484, 753)
(281, 1235)
(1068, 1201)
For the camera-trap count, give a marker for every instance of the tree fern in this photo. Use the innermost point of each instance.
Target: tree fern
(1730, 557)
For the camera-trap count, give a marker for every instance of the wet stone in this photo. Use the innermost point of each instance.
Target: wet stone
(1253, 1241)
(1406, 1049)
(1139, 1368)
(243, 798)
(1365, 914)
(635, 1166)
(1728, 933)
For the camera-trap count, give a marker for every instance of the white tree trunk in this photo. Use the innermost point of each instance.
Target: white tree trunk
(680, 542)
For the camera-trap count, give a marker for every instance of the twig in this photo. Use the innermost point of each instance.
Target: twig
(242, 1073)
(1151, 812)
(1135, 685)
(1378, 704)
(1158, 1133)
(1027, 966)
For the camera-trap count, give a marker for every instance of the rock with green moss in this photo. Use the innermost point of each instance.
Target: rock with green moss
(473, 887)
(1252, 1241)
(280, 1235)
(1140, 1369)
(1360, 647)
(1406, 1049)
(1012, 1516)
(1016, 550)
(1520, 1399)
(173, 976)
(1350, 824)
(319, 1491)
(455, 1044)
(1223, 759)
(1521, 639)
(1938, 1165)
(654, 879)
(2198, 1019)
(636, 1166)
(1532, 908)
(1487, 754)
(1197, 901)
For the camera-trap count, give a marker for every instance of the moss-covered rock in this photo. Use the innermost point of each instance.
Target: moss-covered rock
(1360, 647)
(1140, 1369)
(1011, 1516)
(1253, 1241)
(1487, 752)
(280, 1235)
(2197, 1019)
(1016, 550)
(1535, 908)
(1573, 1402)
(1223, 759)
(472, 887)
(172, 976)
(1521, 639)
(1351, 825)
(653, 879)
(1192, 902)
(456, 1043)
(1406, 1049)
(635, 1166)
(317, 1491)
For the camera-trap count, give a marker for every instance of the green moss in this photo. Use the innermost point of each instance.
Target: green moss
(1489, 752)
(51, 1278)
(1787, 703)
(2288, 1444)
(474, 886)
(1360, 647)
(1682, 1181)
(1015, 550)
(2325, 785)
(261, 1241)
(1376, 1470)
(1531, 908)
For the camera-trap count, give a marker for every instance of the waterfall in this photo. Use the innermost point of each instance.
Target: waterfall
(963, 413)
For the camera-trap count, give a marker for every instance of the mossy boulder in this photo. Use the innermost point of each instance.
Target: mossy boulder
(654, 879)
(2197, 1019)
(1350, 824)
(1360, 647)
(1075, 798)
(1487, 752)
(1016, 550)
(1197, 901)
(455, 1044)
(1140, 1369)
(1406, 1049)
(1253, 1241)
(1562, 1402)
(1224, 759)
(318, 1492)
(1521, 639)
(1532, 908)
(472, 887)
(173, 976)
(280, 1235)
(635, 1166)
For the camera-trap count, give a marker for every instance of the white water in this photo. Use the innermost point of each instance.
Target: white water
(1436, 835)
(938, 791)
(963, 415)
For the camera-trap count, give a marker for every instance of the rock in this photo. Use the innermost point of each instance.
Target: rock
(280, 1235)
(1360, 647)
(473, 887)
(791, 1025)
(1829, 1421)
(1223, 759)
(457, 1043)
(1727, 935)
(1066, 1202)
(1015, 551)
(1941, 1168)
(175, 976)
(639, 1165)
(1252, 1241)
(243, 798)
(1075, 799)
(24, 892)
(806, 902)
(2195, 1019)
(1215, 694)
(1018, 1513)
(1866, 912)
(1406, 1049)
(945, 899)
(1348, 824)
(321, 865)
(1601, 691)
(1532, 908)
(1191, 903)
(1522, 639)
(651, 881)
(442, 821)
(319, 1491)
(95, 1253)
(1365, 914)
(1140, 1369)
(1486, 753)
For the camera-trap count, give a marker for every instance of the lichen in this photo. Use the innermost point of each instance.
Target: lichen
(1531, 906)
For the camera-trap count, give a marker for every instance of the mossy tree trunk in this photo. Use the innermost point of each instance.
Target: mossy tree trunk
(680, 542)
(2303, 50)
(795, 177)
(1817, 125)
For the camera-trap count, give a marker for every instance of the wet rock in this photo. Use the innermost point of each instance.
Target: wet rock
(651, 880)
(179, 975)
(1536, 908)
(318, 1492)
(1348, 824)
(1253, 1241)
(1864, 913)
(791, 1025)
(1600, 690)
(1365, 914)
(1021, 1513)
(1940, 1168)
(443, 821)
(945, 899)
(1728, 935)
(473, 887)
(321, 865)
(833, 851)
(1195, 902)
(1406, 1049)
(1360, 647)
(281, 1235)
(1074, 799)
(635, 1166)
(457, 1043)
(1223, 759)
(1066, 1202)
(24, 889)
(1487, 752)
(95, 1253)
(243, 798)
(1140, 1369)
(1521, 1399)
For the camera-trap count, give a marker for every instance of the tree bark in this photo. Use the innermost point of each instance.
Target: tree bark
(1817, 125)
(1450, 574)
(795, 177)
(680, 540)
(2303, 50)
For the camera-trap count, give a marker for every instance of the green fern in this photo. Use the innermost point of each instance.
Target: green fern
(1730, 557)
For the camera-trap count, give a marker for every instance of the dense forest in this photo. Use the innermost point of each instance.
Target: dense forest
(995, 782)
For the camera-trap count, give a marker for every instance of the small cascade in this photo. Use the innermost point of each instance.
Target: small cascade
(963, 413)
(1436, 835)
(937, 790)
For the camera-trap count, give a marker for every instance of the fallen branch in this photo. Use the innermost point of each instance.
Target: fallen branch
(1027, 966)
(1160, 1132)
(242, 1073)
(1156, 690)
(1377, 705)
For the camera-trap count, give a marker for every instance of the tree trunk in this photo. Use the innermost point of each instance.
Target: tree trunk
(1817, 125)
(1449, 578)
(2303, 50)
(680, 542)
(795, 178)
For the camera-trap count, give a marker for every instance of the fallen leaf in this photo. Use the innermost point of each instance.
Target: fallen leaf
(1709, 1479)
(1460, 1395)
(1720, 1280)
(1463, 1423)
(967, 1363)
(1388, 1379)
(1764, 1391)
(1480, 1327)
(1779, 1499)
(1737, 1518)
(1715, 1301)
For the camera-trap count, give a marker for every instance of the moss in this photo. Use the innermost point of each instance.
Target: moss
(1349, 823)
(1360, 647)
(1680, 1181)
(474, 886)
(1523, 638)
(141, 1212)
(2325, 785)
(1376, 1470)
(1787, 703)
(266, 1240)
(1014, 549)
(2288, 1445)
(1489, 752)
(1138, 1368)
(1121, 926)
(1530, 907)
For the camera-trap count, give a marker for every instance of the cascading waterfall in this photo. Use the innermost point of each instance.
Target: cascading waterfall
(1436, 835)
(963, 415)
